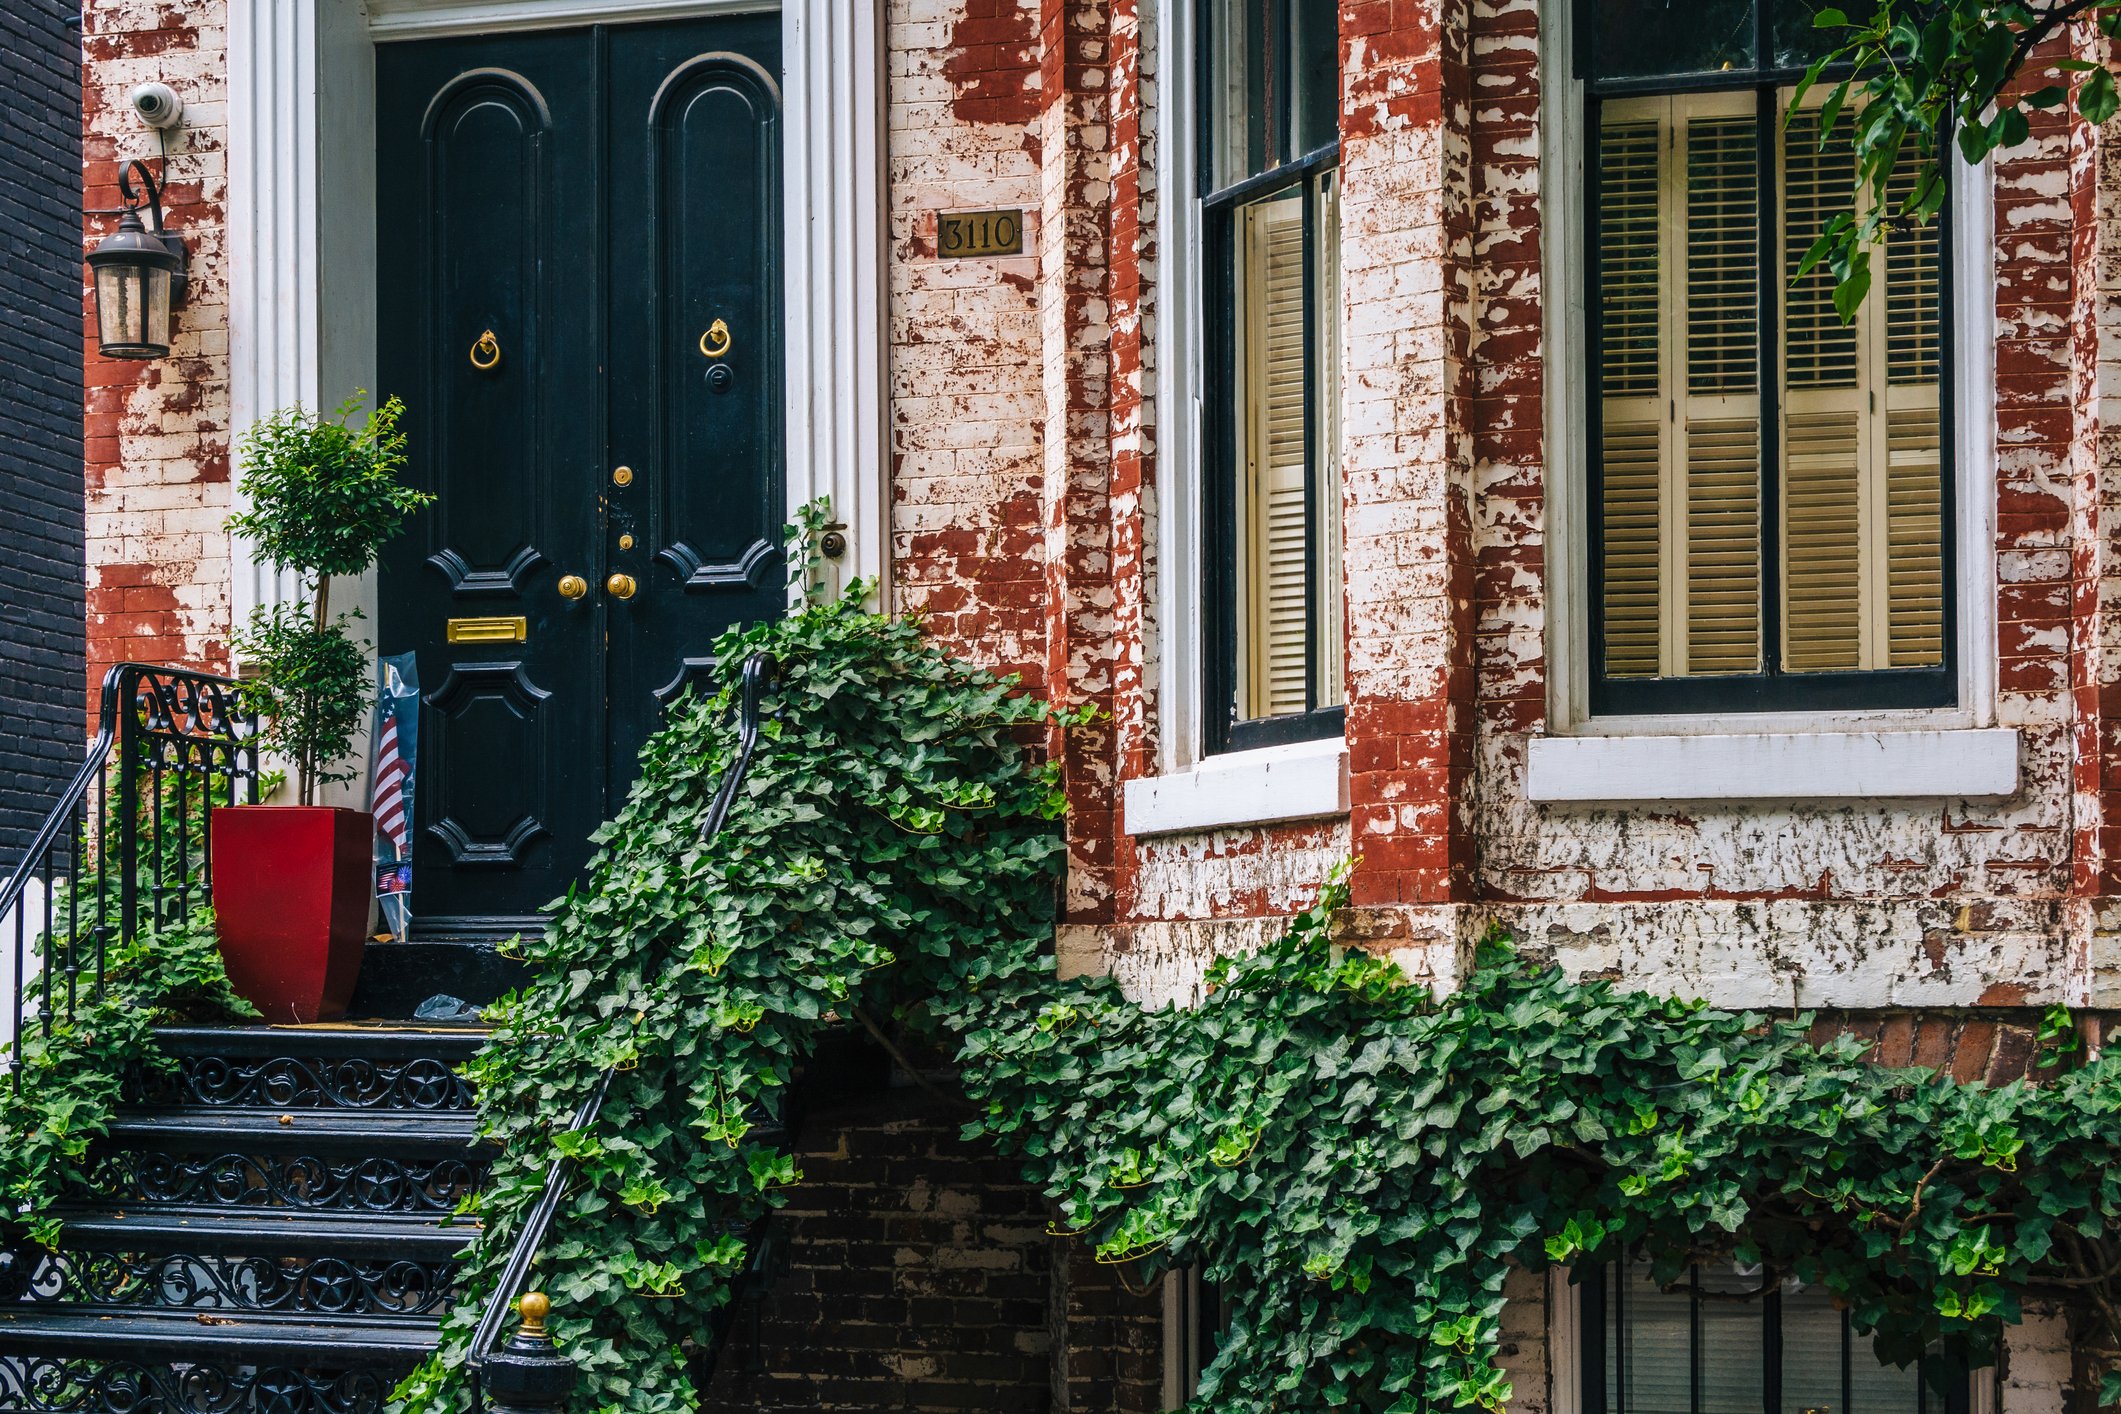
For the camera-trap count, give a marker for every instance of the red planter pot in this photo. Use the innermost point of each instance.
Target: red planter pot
(292, 885)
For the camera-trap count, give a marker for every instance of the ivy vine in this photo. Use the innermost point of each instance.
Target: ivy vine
(896, 841)
(1359, 1163)
(72, 1074)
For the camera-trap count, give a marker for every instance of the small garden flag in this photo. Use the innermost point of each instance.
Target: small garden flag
(397, 734)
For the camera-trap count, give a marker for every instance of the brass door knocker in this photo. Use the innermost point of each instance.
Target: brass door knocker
(716, 341)
(486, 352)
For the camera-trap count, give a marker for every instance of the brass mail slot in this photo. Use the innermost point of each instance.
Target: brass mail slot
(514, 630)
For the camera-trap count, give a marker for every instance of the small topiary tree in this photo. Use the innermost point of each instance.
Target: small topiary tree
(324, 497)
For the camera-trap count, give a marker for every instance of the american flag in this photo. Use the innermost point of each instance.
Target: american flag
(388, 803)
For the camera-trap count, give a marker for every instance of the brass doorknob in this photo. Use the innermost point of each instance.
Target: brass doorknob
(573, 586)
(621, 586)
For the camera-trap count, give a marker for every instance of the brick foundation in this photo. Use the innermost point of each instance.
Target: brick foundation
(915, 1272)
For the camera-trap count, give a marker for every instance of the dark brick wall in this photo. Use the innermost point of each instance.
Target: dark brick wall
(41, 630)
(915, 1273)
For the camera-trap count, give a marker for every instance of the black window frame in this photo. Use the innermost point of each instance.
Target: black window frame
(1771, 689)
(1220, 476)
(1597, 1284)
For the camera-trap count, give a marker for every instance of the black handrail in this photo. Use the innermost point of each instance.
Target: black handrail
(182, 735)
(758, 674)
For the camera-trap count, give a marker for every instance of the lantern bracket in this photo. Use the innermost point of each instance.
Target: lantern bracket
(151, 198)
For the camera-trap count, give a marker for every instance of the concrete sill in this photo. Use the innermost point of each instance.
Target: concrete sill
(1780, 766)
(1300, 782)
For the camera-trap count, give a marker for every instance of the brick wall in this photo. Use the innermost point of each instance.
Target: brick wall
(1446, 460)
(40, 413)
(156, 432)
(915, 1272)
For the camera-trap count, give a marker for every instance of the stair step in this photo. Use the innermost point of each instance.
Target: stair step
(234, 1129)
(349, 1041)
(198, 1337)
(278, 1232)
(354, 1161)
(357, 1067)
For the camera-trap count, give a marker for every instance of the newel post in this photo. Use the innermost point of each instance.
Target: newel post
(529, 1375)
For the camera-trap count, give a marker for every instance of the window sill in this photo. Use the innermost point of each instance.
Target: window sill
(1302, 781)
(1873, 765)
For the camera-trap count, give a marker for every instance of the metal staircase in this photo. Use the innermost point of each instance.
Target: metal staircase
(267, 1228)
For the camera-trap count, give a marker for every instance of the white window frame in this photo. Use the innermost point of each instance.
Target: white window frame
(1564, 153)
(1194, 791)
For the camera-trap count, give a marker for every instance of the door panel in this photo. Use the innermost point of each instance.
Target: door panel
(483, 149)
(598, 200)
(696, 404)
(487, 150)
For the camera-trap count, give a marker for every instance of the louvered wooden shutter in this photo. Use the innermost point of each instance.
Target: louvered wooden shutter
(1722, 406)
(1679, 242)
(1862, 505)
(1275, 655)
(1631, 332)
(1823, 422)
(1325, 446)
(1914, 446)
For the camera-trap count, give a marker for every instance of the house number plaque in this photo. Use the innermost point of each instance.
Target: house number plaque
(959, 234)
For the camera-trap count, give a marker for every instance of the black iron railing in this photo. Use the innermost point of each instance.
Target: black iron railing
(129, 841)
(515, 1275)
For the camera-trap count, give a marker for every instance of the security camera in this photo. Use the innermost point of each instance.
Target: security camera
(158, 105)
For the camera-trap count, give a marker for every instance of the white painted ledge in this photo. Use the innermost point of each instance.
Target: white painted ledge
(429, 19)
(1299, 782)
(1903, 765)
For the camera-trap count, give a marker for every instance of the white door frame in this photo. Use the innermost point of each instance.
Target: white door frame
(302, 211)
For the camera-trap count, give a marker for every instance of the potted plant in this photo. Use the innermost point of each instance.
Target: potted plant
(292, 883)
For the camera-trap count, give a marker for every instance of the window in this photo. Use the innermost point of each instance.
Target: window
(1770, 490)
(1650, 1351)
(1194, 1330)
(1270, 226)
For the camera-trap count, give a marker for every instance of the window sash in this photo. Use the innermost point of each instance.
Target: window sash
(1234, 504)
(1774, 685)
(1606, 1369)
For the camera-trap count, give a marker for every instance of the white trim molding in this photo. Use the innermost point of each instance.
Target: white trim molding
(431, 19)
(1563, 154)
(1304, 781)
(302, 202)
(834, 273)
(1179, 582)
(1862, 766)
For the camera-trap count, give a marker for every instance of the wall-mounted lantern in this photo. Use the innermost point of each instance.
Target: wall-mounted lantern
(140, 275)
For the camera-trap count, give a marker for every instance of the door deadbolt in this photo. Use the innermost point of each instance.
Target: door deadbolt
(573, 586)
(622, 476)
(621, 586)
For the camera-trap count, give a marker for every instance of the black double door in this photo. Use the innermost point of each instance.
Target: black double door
(579, 302)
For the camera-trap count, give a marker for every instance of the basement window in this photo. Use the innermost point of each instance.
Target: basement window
(1770, 490)
(1270, 227)
(1647, 1350)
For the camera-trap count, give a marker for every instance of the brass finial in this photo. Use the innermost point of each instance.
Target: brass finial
(534, 1308)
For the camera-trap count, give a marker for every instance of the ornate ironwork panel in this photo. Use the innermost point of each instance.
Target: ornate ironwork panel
(306, 1181)
(38, 1385)
(218, 1281)
(309, 1082)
